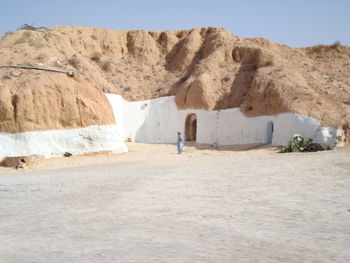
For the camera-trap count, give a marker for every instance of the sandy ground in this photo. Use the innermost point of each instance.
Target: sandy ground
(153, 205)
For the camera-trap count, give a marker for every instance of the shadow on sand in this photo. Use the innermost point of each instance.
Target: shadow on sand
(236, 148)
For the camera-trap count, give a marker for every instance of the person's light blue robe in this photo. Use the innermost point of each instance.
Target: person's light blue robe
(180, 144)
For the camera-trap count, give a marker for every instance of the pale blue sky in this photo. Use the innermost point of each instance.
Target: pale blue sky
(296, 23)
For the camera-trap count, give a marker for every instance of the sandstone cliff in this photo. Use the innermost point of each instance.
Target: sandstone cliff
(33, 101)
(206, 68)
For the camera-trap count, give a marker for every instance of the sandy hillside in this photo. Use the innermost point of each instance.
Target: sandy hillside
(207, 68)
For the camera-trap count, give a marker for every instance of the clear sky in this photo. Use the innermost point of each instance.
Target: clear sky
(296, 23)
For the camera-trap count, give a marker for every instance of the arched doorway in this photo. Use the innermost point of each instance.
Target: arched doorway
(191, 127)
(269, 132)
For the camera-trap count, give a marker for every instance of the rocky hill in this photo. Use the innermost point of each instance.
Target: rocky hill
(207, 68)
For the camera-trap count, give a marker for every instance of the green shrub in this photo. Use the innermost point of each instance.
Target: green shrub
(106, 65)
(226, 79)
(74, 61)
(42, 56)
(264, 60)
(297, 144)
(96, 57)
(268, 63)
(336, 44)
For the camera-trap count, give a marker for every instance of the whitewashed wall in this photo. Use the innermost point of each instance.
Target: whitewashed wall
(158, 120)
(117, 103)
(57, 142)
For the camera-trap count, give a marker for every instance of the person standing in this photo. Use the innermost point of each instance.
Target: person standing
(180, 143)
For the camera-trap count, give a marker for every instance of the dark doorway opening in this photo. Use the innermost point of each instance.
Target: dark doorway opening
(270, 129)
(191, 127)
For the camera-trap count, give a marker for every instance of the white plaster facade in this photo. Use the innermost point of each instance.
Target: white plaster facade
(56, 142)
(158, 120)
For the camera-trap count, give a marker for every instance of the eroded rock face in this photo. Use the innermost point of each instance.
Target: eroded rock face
(197, 94)
(36, 101)
(205, 68)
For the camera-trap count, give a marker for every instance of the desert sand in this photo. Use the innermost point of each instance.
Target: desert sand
(235, 204)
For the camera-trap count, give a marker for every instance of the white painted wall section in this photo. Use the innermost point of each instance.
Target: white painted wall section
(117, 103)
(158, 120)
(56, 142)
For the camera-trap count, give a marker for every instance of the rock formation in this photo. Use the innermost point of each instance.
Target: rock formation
(205, 68)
